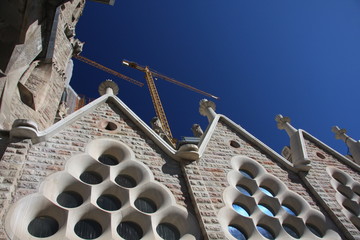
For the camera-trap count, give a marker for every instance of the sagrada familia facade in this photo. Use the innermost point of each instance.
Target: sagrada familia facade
(100, 172)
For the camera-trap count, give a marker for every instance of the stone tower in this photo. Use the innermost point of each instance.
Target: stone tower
(103, 173)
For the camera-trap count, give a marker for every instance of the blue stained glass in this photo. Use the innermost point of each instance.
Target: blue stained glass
(266, 233)
(266, 210)
(240, 210)
(246, 174)
(236, 233)
(291, 231)
(243, 190)
(314, 230)
(267, 191)
(289, 210)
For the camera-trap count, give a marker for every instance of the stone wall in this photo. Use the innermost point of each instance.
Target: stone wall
(319, 181)
(38, 95)
(24, 166)
(208, 177)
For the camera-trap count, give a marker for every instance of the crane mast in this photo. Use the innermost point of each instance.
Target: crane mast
(159, 110)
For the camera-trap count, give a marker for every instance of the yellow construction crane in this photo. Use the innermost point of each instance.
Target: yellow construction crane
(159, 110)
(108, 70)
(149, 74)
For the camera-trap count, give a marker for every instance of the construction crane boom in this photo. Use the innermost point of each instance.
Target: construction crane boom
(108, 70)
(159, 110)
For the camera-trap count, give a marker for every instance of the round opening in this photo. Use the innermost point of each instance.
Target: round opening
(241, 210)
(351, 206)
(340, 177)
(110, 126)
(246, 174)
(168, 231)
(289, 210)
(129, 231)
(291, 231)
(91, 177)
(108, 202)
(266, 210)
(108, 159)
(314, 230)
(266, 191)
(43, 227)
(244, 190)
(145, 205)
(320, 155)
(265, 232)
(69, 199)
(236, 233)
(345, 191)
(125, 181)
(88, 229)
(234, 144)
(356, 190)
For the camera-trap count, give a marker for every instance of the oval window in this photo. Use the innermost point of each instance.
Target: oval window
(43, 226)
(88, 229)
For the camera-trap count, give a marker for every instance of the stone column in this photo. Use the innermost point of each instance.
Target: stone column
(353, 145)
(207, 108)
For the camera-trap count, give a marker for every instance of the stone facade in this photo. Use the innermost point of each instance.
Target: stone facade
(35, 58)
(102, 173)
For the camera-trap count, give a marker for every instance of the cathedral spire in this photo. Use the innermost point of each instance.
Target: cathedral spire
(353, 145)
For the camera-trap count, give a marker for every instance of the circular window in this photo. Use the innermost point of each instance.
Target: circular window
(125, 181)
(340, 177)
(356, 190)
(265, 232)
(314, 230)
(69, 199)
(88, 229)
(289, 210)
(129, 231)
(236, 233)
(266, 210)
(109, 202)
(246, 174)
(241, 210)
(267, 191)
(91, 177)
(320, 155)
(145, 205)
(43, 226)
(234, 144)
(243, 190)
(345, 190)
(168, 231)
(291, 231)
(108, 159)
(110, 126)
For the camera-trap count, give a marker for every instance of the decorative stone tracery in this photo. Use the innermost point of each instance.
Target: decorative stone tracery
(260, 206)
(104, 194)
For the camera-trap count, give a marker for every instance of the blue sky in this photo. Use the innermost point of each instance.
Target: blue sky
(297, 58)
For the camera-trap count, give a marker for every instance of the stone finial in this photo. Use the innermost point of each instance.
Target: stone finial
(69, 31)
(197, 131)
(207, 108)
(353, 145)
(157, 126)
(284, 123)
(108, 87)
(77, 46)
(24, 128)
(339, 133)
